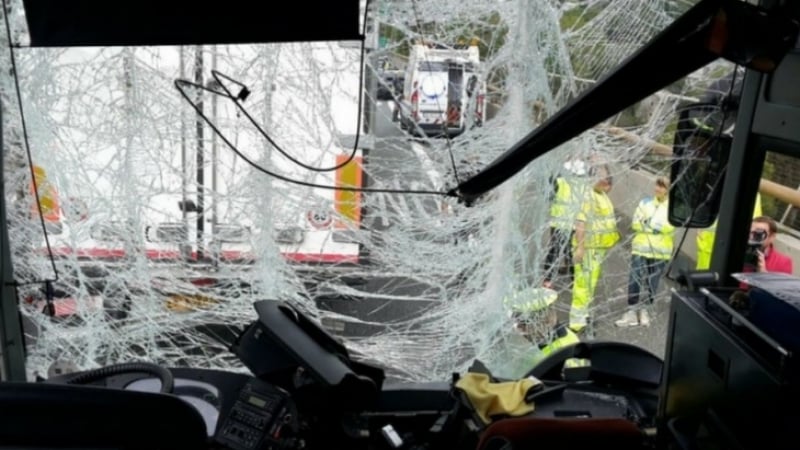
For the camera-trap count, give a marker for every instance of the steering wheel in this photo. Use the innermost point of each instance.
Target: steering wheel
(164, 375)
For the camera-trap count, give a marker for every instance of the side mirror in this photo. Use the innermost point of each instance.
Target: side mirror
(700, 154)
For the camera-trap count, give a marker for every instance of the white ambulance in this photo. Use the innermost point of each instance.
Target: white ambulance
(443, 93)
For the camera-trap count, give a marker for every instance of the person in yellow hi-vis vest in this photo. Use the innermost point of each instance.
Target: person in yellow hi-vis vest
(705, 238)
(567, 195)
(651, 250)
(595, 233)
(536, 320)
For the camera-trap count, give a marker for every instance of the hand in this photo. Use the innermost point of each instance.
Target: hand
(762, 262)
(578, 256)
(648, 225)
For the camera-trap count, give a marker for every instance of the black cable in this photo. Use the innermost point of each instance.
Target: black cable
(235, 99)
(179, 85)
(27, 147)
(216, 74)
(163, 374)
(244, 92)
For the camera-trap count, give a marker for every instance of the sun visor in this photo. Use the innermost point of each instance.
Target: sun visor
(65, 23)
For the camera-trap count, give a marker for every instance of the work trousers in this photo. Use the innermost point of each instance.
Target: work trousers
(559, 247)
(587, 273)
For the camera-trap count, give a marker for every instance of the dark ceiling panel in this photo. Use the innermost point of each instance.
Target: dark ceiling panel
(69, 23)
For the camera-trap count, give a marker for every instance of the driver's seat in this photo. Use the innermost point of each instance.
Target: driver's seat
(40, 415)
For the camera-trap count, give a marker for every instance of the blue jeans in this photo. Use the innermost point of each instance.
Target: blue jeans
(645, 273)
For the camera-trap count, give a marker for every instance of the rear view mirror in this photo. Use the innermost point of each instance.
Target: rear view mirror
(700, 154)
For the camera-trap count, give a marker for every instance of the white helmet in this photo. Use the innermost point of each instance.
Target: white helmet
(576, 167)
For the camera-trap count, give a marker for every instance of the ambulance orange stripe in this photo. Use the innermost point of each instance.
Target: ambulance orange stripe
(348, 203)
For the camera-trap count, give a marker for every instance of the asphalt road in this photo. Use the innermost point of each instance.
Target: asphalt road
(611, 302)
(394, 162)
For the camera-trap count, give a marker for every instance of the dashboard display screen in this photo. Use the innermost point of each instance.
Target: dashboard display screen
(257, 401)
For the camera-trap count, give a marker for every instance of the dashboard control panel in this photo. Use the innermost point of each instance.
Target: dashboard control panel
(255, 420)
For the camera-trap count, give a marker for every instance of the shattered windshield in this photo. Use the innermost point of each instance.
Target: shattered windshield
(155, 193)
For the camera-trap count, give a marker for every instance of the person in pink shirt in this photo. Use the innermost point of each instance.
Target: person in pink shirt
(761, 254)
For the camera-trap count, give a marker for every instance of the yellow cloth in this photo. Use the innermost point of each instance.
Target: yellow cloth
(489, 399)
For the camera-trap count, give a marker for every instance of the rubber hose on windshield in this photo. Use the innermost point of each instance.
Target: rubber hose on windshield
(164, 375)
